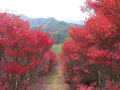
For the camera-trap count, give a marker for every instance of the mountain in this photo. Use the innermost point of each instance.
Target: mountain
(23, 17)
(74, 22)
(57, 29)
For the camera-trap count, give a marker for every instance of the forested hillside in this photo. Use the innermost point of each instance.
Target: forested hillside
(57, 29)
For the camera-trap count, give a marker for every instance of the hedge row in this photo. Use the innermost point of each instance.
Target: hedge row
(91, 57)
(25, 54)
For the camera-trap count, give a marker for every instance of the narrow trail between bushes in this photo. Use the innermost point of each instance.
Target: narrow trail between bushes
(54, 81)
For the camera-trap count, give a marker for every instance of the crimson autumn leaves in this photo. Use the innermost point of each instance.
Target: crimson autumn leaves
(89, 60)
(25, 54)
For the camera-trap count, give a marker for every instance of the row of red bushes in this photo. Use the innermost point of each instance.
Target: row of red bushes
(91, 58)
(25, 54)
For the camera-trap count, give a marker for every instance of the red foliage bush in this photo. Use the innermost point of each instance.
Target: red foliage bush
(24, 53)
(93, 53)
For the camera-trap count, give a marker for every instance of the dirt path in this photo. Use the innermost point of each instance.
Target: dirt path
(54, 81)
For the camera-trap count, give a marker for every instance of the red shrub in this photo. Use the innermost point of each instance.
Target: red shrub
(22, 52)
(93, 52)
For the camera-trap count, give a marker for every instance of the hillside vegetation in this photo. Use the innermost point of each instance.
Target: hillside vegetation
(57, 29)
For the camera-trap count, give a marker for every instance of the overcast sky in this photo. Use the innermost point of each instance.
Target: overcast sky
(60, 9)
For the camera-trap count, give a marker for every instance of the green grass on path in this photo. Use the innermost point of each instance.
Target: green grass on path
(54, 81)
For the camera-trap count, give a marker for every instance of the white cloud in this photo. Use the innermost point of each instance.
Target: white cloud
(60, 9)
